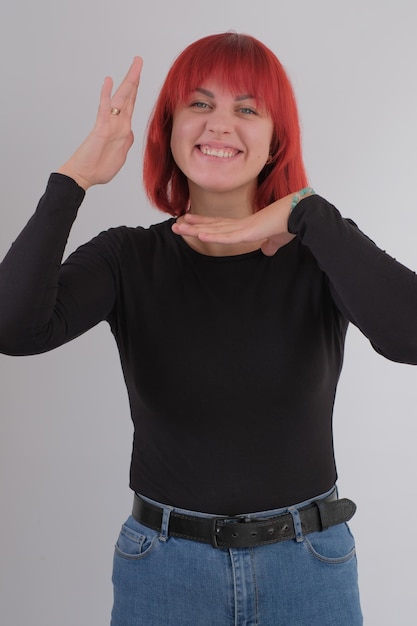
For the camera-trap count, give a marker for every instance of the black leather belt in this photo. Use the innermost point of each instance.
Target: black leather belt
(241, 531)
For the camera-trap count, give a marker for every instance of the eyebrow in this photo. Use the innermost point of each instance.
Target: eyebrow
(210, 94)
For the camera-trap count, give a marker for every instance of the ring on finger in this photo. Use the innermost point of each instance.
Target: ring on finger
(115, 111)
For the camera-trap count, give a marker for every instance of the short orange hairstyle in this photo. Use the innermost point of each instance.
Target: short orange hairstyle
(246, 65)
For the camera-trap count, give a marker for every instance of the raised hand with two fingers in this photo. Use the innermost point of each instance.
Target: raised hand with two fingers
(104, 151)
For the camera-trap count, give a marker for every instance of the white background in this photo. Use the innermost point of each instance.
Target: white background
(65, 431)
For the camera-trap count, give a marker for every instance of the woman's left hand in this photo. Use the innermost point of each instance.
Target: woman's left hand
(269, 225)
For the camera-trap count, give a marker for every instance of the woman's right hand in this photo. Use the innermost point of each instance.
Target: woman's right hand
(104, 151)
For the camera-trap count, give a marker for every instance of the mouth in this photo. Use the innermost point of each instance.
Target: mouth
(221, 153)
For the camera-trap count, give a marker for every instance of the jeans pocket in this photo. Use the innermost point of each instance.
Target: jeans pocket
(135, 541)
(334, 545)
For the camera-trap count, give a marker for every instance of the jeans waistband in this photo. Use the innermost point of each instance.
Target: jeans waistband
(241, 531)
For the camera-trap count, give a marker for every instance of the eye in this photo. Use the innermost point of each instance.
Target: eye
(198, 104)
(247, 111)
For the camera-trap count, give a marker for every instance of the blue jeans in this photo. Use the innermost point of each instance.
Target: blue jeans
(167, 581)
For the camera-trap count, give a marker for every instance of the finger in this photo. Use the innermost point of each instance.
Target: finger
(192, 230)
(192, 218)
(134, 77)
(269, 247)
(214, 229)
(105, 97)
(214, 224)
(125, 96)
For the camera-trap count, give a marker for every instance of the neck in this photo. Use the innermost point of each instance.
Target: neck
(234, 204)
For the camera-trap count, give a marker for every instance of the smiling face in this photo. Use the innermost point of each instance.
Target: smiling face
(221, 140)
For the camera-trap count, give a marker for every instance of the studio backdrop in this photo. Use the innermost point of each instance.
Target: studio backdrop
(65, 431)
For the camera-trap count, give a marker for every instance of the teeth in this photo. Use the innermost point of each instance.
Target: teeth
(218, 152)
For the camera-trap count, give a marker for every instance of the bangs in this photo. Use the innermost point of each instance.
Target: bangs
(236, 61)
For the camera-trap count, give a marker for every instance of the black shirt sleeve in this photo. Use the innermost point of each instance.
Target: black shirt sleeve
(374, 291)
(43, 303)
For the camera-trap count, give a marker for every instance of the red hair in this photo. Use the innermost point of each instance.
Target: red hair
(246, 65)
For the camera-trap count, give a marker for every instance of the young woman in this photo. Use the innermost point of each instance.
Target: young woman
(230, 319)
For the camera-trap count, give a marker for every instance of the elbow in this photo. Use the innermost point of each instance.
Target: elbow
(11, 347)
(17, 341)
(400, 353)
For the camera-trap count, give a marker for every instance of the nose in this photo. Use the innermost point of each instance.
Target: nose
(220, 123)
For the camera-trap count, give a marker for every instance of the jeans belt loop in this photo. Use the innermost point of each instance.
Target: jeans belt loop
(166, 514)
(299, 537)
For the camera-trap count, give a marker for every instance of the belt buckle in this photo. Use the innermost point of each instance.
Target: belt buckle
(216, 528)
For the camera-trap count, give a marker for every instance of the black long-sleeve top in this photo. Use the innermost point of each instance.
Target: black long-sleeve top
(231, 363)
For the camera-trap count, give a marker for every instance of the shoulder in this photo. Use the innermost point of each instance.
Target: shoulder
(127, 240)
